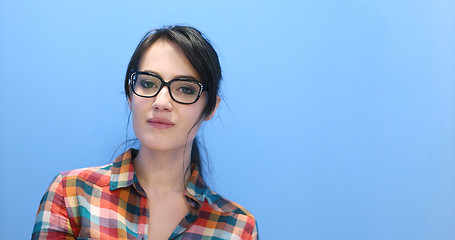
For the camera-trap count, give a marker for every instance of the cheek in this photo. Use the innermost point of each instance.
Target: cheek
(195, 113)
(190, 118)
(201, 104)
(137, 109)
(137, 105)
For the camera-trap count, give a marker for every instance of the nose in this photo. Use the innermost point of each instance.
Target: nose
(163, 100)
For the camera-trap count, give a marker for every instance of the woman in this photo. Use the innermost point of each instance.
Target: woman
(156, 192)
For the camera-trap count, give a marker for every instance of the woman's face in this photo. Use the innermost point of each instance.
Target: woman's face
(160, 123)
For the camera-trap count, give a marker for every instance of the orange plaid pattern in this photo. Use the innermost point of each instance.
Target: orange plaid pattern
(108, 203)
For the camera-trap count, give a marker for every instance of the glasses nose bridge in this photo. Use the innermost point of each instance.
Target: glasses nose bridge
(165, 84)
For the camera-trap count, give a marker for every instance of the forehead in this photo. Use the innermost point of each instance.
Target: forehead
(166, 59)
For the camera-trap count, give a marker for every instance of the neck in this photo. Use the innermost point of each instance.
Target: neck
(162, 171)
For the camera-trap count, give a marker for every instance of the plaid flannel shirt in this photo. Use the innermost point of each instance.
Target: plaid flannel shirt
(108, 203)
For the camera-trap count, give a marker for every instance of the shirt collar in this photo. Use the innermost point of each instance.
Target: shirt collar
(122, 172)
(123, 175)
(196, 188)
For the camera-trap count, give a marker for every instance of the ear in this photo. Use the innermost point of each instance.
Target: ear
(208, 117)
(129, 103)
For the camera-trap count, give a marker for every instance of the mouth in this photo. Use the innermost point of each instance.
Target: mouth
(160, 123)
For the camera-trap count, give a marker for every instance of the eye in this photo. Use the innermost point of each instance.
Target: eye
(147, 84)
(188, 90)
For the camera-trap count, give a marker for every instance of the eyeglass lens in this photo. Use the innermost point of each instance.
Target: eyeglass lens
(185, 91)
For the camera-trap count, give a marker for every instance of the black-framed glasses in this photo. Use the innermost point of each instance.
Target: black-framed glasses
(182, 90)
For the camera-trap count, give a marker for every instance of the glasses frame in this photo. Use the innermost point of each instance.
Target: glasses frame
(203, 86)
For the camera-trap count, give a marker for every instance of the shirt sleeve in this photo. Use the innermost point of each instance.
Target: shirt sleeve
(52, 221)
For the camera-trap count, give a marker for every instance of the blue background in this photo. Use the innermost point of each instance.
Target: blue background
(337, 119)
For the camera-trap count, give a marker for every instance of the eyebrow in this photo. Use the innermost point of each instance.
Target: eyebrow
(176, 77)
(186, 77)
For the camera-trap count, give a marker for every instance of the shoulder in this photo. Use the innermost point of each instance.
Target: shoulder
(221, 204)
(228, 216)
(93, 175)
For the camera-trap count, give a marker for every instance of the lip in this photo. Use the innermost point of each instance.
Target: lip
(160, 123)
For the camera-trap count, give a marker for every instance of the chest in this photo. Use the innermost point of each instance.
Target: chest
(165, 214)
(122, 214)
